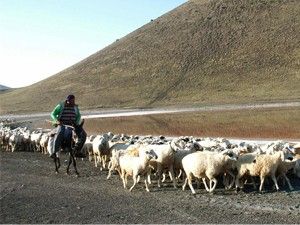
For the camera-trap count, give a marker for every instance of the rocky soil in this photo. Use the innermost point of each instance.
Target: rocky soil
(32, 193)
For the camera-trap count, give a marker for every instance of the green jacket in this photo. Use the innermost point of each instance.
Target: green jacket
(56, 113)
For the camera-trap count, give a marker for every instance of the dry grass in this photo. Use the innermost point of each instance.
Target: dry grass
(264, 123)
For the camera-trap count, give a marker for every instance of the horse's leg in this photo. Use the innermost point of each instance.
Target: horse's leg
(72, 160)
(69, 163)
(74, 163)
(56, 166)
(57, 163)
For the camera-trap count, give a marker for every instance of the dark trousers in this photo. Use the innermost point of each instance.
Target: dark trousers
(81, 138)
(62, 133)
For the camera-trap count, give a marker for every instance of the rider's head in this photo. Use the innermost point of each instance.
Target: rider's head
(70, 100)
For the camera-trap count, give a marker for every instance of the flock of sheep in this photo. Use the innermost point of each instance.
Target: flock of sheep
(183, 160)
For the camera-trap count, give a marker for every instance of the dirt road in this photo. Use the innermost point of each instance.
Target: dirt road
(139, 112)
(32, 193)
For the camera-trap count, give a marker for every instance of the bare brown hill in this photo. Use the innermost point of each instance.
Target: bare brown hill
(203, 52)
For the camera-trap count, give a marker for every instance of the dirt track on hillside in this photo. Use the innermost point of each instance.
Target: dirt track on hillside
(32, 193)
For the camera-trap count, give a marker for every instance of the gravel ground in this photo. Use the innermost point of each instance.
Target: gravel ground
(32, 193)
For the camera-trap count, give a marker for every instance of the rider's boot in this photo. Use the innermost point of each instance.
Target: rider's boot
(79, 145)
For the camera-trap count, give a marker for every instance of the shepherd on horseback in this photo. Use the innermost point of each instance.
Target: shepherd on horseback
(64, 115)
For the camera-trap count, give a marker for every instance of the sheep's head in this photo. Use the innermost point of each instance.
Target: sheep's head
(232, 155)
(197, 146)
(151, 154)
(288, 154)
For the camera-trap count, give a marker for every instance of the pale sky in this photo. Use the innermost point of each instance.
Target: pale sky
(39, 38)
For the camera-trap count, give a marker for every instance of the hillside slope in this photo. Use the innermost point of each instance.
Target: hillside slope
(203, 52)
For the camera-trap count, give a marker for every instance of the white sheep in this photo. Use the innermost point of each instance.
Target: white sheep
(117, 150)
(44, 142)
(88, 147)
(15, 141)
(241, 165)
(165, 161)
(296, 150)
(135, 166)
(35, 140)
(181, 152)
(283, 168)
(206, 165)
(50, 146)
(27, 141)
(101, 150)
(260, 165)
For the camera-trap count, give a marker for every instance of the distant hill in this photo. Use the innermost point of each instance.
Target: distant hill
(3, 88)
(202, 52)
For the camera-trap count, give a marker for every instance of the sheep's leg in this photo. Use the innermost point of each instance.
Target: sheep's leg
(109, 174)
(109, 165)
(149, 178)
(138, 178)
(210, 184)
(119, 171)
(215, 184)
(164, 177)
(288, 181)
(205, 185)
(135, 177)
(189, 178)
(231, 183)
(253, 183)
(184, 184)
(275, 181)
(146, 179)
(179, 175)
(101, 162)
(104, 162)
(110, 169)
(96, 159)
(172, 176)
(159, 172)
(262, 180)
(228, 181)
(126, 178)
(225, 181)
(237, 181)
(123, 178)
(183, 176)
(146, 185)
(198, 183)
